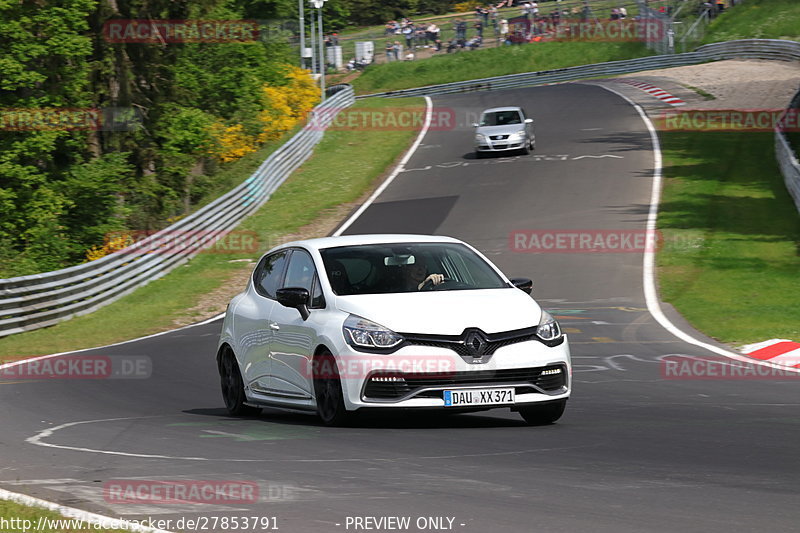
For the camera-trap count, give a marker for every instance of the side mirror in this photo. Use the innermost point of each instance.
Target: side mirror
(296, 298)
(474, 124)
(528, 121)
(523, 284)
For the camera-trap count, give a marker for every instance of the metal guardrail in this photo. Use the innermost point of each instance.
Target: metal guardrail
(787, 157)
(39, 300)
(775, 49)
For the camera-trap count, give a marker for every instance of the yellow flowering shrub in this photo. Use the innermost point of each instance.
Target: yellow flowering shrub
(231, 142)
(111, 245)
(282, 108)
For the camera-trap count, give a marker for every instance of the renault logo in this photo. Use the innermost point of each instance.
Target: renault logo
(476, 344)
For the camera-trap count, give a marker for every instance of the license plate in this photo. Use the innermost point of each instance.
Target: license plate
(458, 398)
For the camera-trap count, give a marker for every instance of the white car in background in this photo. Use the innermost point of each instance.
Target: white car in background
(504, 129)
(340, 324)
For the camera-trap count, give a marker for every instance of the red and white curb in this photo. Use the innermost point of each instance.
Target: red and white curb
(658, 92)
(778, 351)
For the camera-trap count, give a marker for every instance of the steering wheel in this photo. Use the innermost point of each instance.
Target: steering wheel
(447, 283)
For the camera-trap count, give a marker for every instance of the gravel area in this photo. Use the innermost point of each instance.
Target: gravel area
(736, 84)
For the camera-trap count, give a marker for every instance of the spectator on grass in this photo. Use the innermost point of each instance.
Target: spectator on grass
(408, 33)
(623, 13)
(390, 52)
(479, 28)
(503, 27)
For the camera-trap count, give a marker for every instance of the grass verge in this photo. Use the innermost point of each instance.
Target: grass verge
(345, 165)
(730, 261)
(21, 516)
(757, 19)
(468, 65)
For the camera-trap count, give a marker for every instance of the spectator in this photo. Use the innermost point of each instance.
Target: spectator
(503, 27)
(720, 5)
(433, 33)
(390, 52)
(438, 44)
(479, 28)
(408, 33)
(397, 50)
(623, 13)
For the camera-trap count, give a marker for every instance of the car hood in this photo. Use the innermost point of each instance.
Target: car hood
(446, 312)
(506, 129)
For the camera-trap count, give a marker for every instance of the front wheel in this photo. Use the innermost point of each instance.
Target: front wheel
(543, 414)
(328, 390)
(233, 386)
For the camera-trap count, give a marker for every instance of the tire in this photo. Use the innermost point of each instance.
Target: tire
(328, 391)
(233, 386)
(543, 414)
(533, 143)
(526, 149)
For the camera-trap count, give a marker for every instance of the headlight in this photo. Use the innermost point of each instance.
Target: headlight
(518, 134)
(479, 137)
(362, 333)
(548, 330)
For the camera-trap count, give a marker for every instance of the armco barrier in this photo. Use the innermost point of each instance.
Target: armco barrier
(787, 158)
(39, 300)
(776, 49)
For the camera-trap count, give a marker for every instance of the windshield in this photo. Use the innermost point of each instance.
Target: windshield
(501, 118)
(404, 267)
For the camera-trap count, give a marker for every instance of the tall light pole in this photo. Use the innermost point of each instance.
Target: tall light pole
(322, 61)
(302, 34)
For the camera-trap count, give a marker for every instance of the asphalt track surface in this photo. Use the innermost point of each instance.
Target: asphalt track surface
(633, 452)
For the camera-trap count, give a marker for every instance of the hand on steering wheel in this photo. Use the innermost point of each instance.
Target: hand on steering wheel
(433, 279)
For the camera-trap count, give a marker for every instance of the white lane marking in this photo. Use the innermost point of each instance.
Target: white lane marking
(397, 170)
(37, 440)
(70, 512)
(598, 156)
(24, 361)
(650, 292)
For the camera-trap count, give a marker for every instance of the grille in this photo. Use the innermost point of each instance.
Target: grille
(458, 343)
(498, 137)
(406, 384)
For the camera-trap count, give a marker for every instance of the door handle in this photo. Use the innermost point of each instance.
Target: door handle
(274, 326)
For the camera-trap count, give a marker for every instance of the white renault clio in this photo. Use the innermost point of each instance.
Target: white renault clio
(340, 324)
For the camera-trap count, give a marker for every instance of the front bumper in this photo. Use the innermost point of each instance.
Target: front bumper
(417, 376)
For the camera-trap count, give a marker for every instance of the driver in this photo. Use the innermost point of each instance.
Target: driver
(416, 276)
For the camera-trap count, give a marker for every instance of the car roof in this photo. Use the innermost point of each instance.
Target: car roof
(355, 240)
(495, 109)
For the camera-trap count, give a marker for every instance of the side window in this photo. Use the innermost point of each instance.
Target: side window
(268, 275)
(302, 273)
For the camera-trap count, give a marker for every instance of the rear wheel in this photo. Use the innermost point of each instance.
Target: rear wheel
(233, 386)
(543, 414)
(328, 390)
